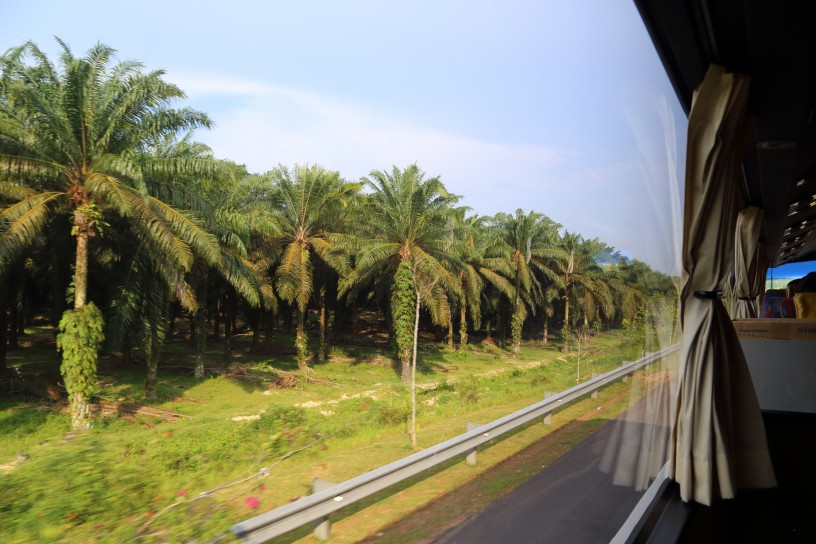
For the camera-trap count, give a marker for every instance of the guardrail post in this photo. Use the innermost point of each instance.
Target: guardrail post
(548, 417)
(594, 393)
(626, 376)
(322, 525)
(471, 456)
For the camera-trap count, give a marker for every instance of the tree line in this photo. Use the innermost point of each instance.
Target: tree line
(114, 221)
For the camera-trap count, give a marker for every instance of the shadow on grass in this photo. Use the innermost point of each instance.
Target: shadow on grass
(19, 422)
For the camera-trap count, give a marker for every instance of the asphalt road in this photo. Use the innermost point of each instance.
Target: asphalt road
(573, 501)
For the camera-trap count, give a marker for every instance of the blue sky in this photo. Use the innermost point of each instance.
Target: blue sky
(561, 107)
(791, 271)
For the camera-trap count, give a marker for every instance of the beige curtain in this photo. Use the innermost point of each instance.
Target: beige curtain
(746, 262)
(718, 437)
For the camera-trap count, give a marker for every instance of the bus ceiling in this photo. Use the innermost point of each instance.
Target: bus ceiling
(775, 44)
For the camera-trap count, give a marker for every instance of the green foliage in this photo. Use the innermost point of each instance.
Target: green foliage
(278, 417)
(469, 390)
(516, 324)
(94, 483)
(445, 385)
(403, 307)
(221, 445)
(134, 470)
(22, 429)
(79, 339)
(91, 218)
(393, 410)
(99, 489)
(566, 337)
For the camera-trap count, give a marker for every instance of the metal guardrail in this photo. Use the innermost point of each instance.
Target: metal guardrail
(318, 506)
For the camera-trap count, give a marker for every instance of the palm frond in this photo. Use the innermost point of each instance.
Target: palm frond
(14, 192)
(20, 223)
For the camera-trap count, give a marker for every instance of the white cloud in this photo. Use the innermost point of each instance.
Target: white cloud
(624, 201)
(268, 124)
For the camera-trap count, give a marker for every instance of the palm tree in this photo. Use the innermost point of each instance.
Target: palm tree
(585, 283)
(526, 245)
(71, 142)
(406, 237)
(143, 304)
(307, 209)
(478, 270)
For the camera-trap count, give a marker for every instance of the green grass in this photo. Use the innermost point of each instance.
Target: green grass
(142, 478)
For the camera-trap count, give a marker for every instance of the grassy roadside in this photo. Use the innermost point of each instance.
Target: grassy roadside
(142, 478)
(432, 505)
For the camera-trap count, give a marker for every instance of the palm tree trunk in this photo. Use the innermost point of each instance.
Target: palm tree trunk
(253, 318)
(217, 319)
(198, 322)
(413, 375)
(402, 306)
(80, 405)
(501, 326)
(324, 340)
(3, 330)
(152, 379)
(200, 328)
(13, 318)
(515, 326)
(158, 335)
(463, 335)
(450, 334)
(255, 323)
(515, 330)
(301, 342)
(566, 311)
(172, 329)
(81, 270)
(227, 339)
(229, 323)
(546, 331)
(20, 323)
(269, 322)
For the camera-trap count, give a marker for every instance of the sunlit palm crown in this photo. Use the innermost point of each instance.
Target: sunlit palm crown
(584, 279)
(409, 217)
(309, 207)
(86, 133)
(526, 242)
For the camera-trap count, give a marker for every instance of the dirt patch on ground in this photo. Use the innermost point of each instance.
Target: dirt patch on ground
(517, 365)
(372, 394)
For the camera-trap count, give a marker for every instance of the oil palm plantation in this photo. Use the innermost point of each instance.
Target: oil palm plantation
(526, 244)
(72, 142)
(308, 206)
(143, 302)
(585, 283)
(479, 270)
(406, 236)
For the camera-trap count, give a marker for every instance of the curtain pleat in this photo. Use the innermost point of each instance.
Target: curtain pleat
(718, 437)
(746, 262)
